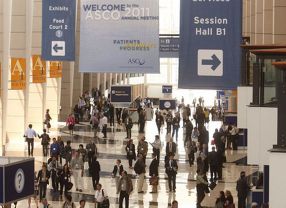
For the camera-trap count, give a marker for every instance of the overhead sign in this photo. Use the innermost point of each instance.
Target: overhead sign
(169, 47)
(39, 70)
(119, 36)
(16, 181)
(167, 104)
(56, 69)
(58, 30)
(210, 40)
(167, 89)
(120, 94)
(18, 73)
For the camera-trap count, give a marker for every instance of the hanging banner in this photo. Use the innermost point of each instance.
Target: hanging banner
(18, 73)
(56, 69)
(58, 26)
(39, 70)
(210, 40)
(119, 36)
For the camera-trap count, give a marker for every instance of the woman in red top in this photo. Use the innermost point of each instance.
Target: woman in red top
(70, 123)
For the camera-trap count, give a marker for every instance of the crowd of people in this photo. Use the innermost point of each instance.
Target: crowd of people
(65, 162)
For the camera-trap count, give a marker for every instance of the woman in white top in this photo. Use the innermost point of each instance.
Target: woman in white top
(100, 195)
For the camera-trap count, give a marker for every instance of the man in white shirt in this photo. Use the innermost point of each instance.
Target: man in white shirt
(103, 124)
(99, 195)
(30, 134)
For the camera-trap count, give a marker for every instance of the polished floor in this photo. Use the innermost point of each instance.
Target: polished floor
(113, 148)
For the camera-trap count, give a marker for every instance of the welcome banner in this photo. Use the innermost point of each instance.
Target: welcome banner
(18, 73)
(39, 70)
(119, 36)
(56, 69)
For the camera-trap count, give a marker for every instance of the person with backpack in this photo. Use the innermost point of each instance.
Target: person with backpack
(101, 197)
(68, 202)
(45, 142)
(139, 169)
(125, 187)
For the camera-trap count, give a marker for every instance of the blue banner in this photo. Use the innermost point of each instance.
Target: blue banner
(210, 37)
(58, 30)
(119, 36)
(167, 89)
(19, 181)
(167, 104)
(120, 94)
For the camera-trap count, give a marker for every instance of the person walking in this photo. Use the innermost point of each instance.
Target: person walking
(77, 171)
(95, 171)
(171, 148)
(157, 147)
(139, 169)
(53, 167)
(48, 119)
(103, 125)
(45, 142)
(189, 129)
(142, 148)
(242, 189)
(30, 134)
(55, 148)
(91, 151)
(116, 173)
(129, 125)
(130, 151)
(159, 121)
(70, 122)
(64, 178)
(171, 167)
(214, 163)
(125, 187)
(36, 192)
(176, 125)
(202, 186)
(43, 179)
(153, 173)
(68, 202)
(99, 196)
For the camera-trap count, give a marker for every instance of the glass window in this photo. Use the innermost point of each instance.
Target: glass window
(169, 16)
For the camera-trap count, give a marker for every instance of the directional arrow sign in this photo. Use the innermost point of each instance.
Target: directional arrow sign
(214, 62)
(210, 62)
(56, 48)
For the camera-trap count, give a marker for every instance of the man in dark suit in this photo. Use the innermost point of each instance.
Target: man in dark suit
(116, 173)
(213, 162)
(95, 169)
(153, 173)
(43, 178)
(242, 188)
(171, 170)
(171, 148)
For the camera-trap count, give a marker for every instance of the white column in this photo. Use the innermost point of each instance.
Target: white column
(7, 7)
(277, 181)
(29, 32)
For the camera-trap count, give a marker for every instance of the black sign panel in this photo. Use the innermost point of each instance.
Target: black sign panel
(19, 181)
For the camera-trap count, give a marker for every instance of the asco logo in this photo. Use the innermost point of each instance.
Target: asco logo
(136, 61)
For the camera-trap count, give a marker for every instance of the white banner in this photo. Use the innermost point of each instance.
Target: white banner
(119, 36)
